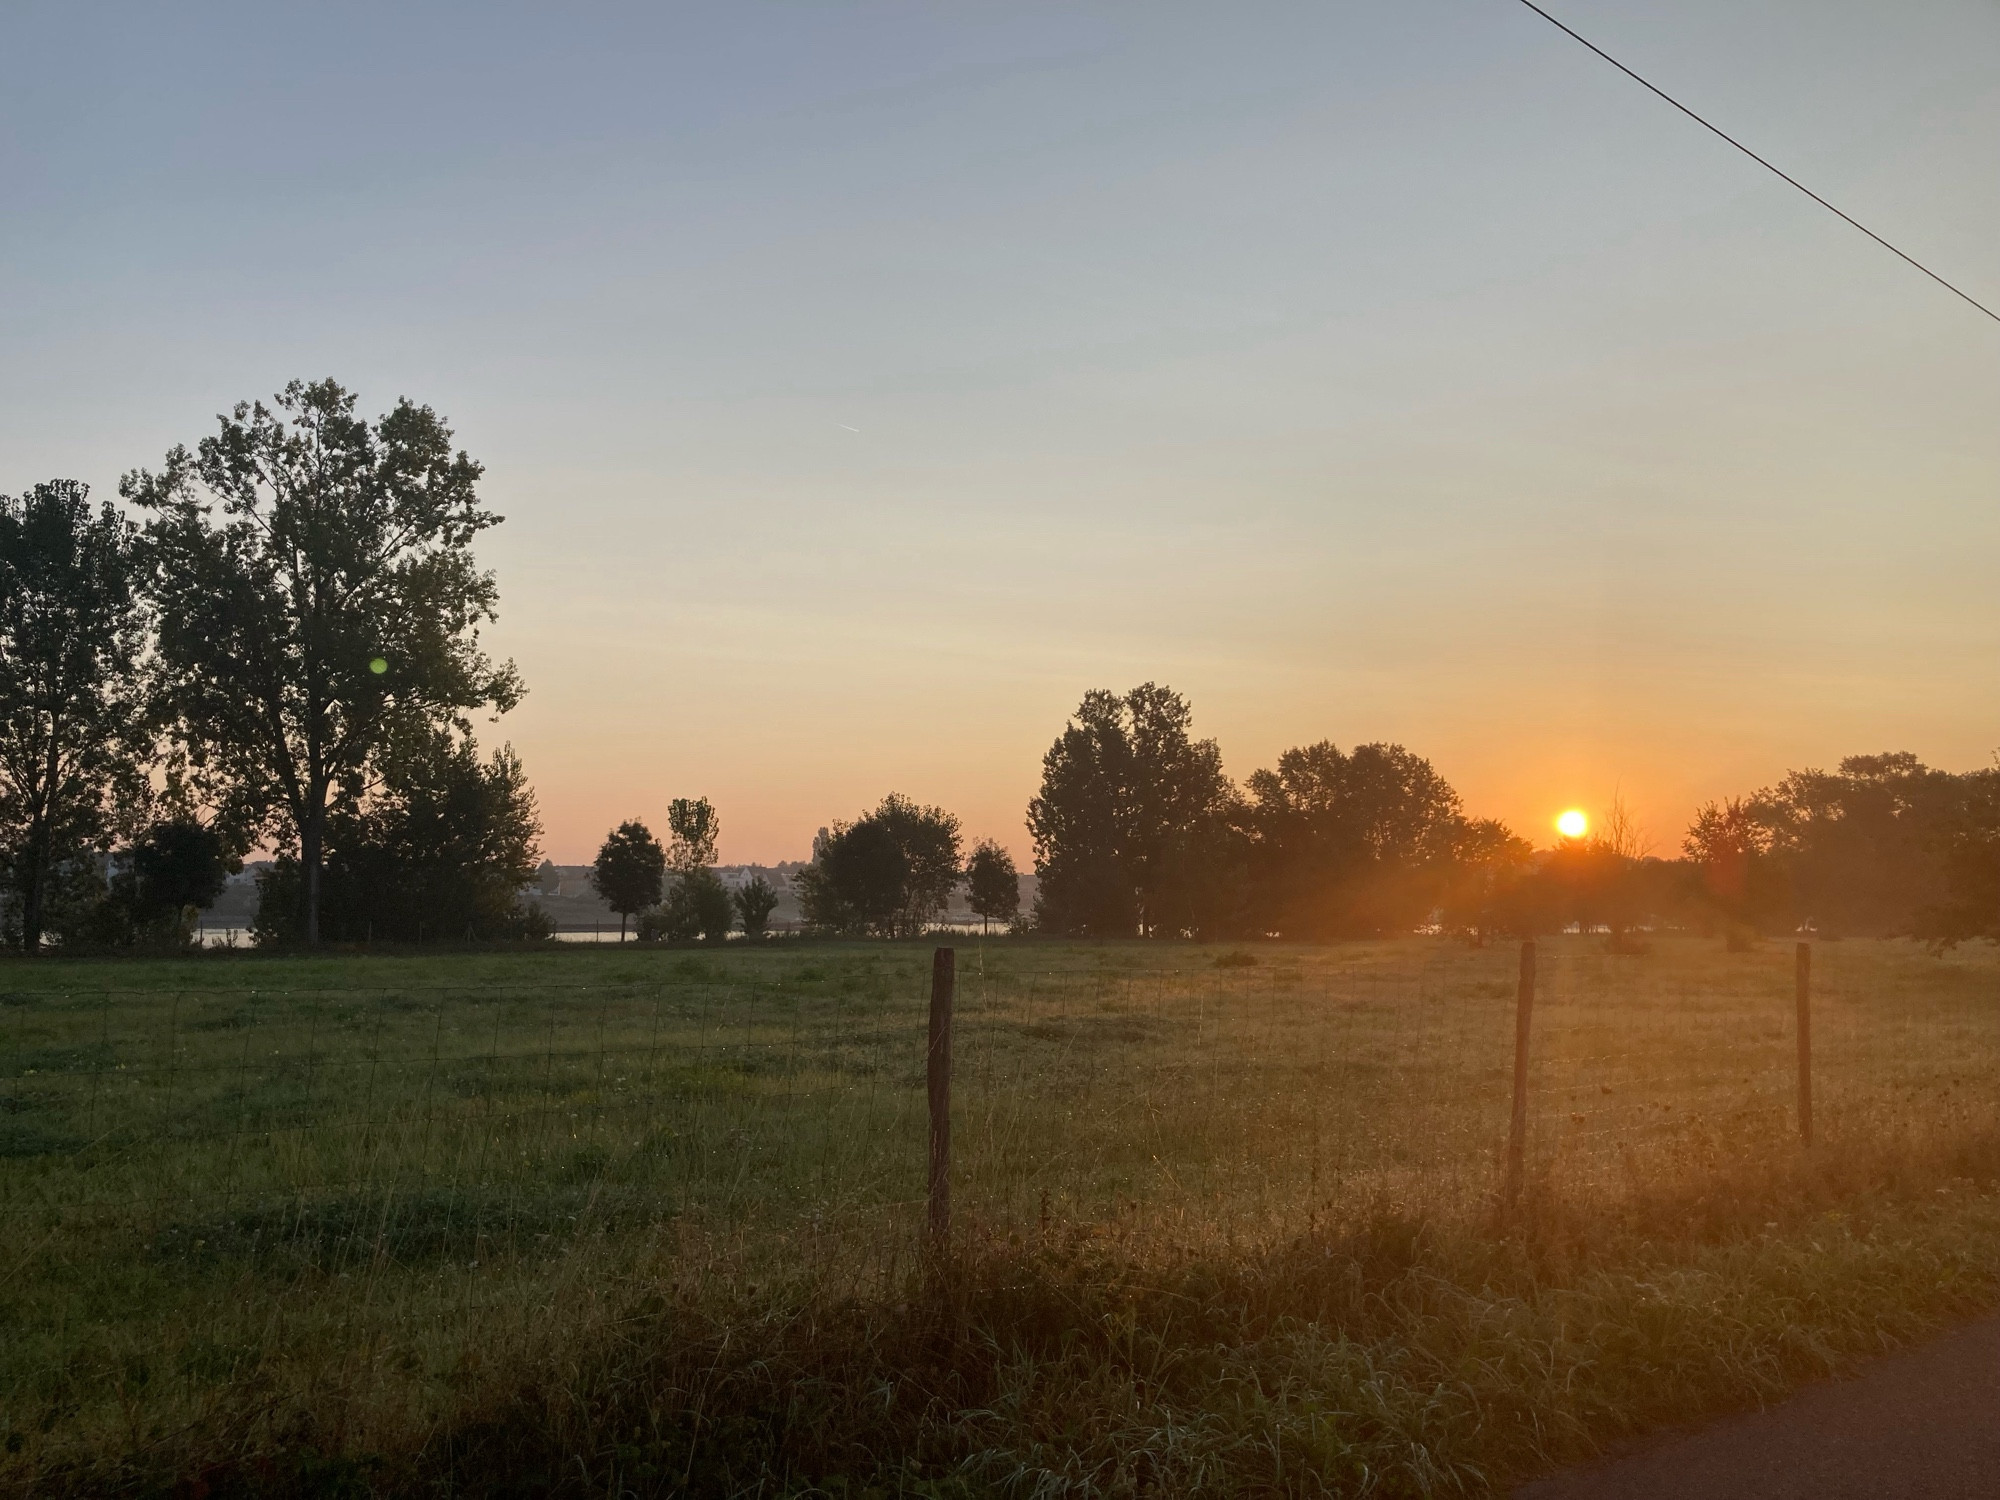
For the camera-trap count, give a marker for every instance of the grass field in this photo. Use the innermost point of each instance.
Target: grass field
(634, 1221)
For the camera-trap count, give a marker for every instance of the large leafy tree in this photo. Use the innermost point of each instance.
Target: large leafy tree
(1352, 842)
(1134, 824)
(1967, 841)
(72, 713)
(629, 870)
(891, 872)
(754, 901)
(316, 593)
(992, 885)
(443, 845)
(1859, 846)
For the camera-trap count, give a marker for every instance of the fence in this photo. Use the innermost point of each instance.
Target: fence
(335, 1125)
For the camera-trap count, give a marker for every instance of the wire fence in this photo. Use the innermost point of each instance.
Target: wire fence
(339, 1126)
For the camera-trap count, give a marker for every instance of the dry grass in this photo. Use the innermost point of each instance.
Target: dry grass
(1224, 1230)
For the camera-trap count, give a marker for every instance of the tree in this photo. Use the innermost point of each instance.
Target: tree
(694, 829)
(72, 714)
(1859, 847)
(1352, 844)
(1483, 893)
(313, 579)
(993, 886)
(1968, 847)
(698, 906)
(888, 873)
(630, 868)
(1132, 813)
(1729, 847)
(175, 866)
(442, 845)
(755, 900)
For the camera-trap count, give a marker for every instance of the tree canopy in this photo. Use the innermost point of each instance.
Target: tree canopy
(889, 873)
(992, 884)
(440, 847)
(317, 595)
(629, 870)
(73, 722)
(1133, 820)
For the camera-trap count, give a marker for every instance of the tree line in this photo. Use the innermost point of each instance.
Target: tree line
(284, 653)
(888, 873)
(1138, 831)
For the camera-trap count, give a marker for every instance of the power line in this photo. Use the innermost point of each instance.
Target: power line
(1718, 130)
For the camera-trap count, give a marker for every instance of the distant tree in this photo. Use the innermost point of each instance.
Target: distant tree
(629, 869)
(442, 846)
(1859, 848)
(1967, 841)
(176, 866)
(889, 873)
(693, 828)
(711, 911)
(1618, 889)
(755, 900)
(1729, 848)
(548, 879)
(1482, 895)
(72, 714)
(1133, 816)
(316, 594)
(1350, 844)
(993, 885)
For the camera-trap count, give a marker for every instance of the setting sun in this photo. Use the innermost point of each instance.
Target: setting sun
(1571, 825)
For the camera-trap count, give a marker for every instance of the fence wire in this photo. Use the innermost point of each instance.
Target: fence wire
(326, 1130)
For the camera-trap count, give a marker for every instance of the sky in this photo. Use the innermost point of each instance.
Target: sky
(862, 383)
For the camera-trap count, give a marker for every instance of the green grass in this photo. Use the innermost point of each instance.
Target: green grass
(592, 1218)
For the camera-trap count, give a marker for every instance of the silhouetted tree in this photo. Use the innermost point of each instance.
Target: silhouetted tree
(442, 845)
(316, 595)
(889, 873)
(1132, 817)
(1352, 844)
(72, 721)
(1967, 843)
(1482, 895)
(629, 869)
(175, 866)
(693, 829)
(697, 905)
(1728, 847)
(755, 900)
(993, 885)
(1860, 847)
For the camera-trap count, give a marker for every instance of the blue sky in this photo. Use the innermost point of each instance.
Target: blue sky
(862, 383)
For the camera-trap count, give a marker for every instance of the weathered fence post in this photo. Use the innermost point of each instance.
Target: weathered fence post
(1802, 983)
(1517, 1133)
(938, 1071)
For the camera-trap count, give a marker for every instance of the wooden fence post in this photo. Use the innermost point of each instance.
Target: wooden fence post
(1802, 983)
(938, 1074)
(1517, 1133)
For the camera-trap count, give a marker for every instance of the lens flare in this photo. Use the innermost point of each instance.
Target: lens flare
(1572, 824)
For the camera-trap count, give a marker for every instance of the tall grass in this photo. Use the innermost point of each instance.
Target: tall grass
(646, 1223)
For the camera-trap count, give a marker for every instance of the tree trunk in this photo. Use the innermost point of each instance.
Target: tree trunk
(41, 840)
(34, 888)
(312, 851)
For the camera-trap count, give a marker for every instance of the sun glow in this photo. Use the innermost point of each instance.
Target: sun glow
(1572, 824)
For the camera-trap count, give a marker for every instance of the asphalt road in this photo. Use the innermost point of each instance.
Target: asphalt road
(1920, 1425)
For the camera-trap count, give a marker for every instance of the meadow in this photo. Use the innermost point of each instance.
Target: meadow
(1228, 1221)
